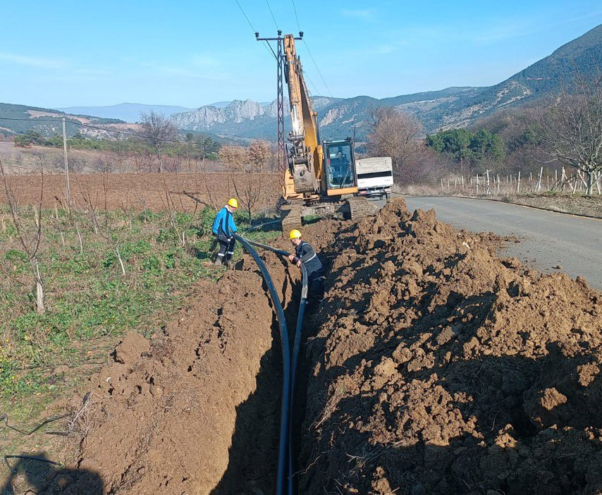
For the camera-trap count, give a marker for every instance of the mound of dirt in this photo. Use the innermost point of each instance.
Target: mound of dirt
(440, 368)
(198, 410)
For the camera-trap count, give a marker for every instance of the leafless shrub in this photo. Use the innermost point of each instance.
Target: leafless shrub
(30, 237)
(248, 169)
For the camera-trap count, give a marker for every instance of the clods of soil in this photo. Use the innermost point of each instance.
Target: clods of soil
(440, 368)
(198, 410)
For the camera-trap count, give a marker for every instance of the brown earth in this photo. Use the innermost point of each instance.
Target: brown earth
(439, 368)
(196, 411)
(431, 367)
(139, 191)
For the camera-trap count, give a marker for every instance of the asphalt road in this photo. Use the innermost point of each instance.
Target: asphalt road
(548, 240)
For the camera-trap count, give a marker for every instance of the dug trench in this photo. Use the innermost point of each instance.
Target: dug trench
(197, 409)
(431, 366)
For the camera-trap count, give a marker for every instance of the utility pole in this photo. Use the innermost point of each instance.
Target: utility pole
(282, 161)
(67, 186)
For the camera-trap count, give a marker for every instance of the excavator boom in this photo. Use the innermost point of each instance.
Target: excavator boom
(305, 153)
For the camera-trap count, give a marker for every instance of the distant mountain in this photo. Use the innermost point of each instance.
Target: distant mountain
(578, 59)
(218, 104)
(445, 109)
(17, 119)
(339, 117)
(129, 112)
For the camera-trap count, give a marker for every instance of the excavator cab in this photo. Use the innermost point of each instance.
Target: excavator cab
(339, 165)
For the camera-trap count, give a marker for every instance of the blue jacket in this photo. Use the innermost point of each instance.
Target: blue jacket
(224, 223)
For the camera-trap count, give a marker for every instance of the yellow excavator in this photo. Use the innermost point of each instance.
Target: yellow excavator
(321, 178)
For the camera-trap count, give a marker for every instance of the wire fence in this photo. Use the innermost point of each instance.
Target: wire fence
(490, 184)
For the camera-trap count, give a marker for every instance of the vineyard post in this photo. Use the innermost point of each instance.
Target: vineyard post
(67, 185)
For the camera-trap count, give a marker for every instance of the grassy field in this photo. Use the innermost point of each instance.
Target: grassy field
(104, 274)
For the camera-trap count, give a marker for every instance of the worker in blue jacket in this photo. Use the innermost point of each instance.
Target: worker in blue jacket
(223, 228)
(306, 255)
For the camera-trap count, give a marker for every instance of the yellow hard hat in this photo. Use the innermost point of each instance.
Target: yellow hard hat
(294, 234)
(233, 202)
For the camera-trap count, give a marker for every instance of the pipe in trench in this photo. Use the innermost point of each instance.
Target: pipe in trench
(295, 359)
(286, 369)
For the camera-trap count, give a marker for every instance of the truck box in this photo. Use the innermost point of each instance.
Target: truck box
(374, 176)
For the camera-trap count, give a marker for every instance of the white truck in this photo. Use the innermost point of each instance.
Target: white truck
(374, 177)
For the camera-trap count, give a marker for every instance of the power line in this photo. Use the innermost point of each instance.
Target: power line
(296, 16)
(249, 22)
(310, 82)
(273, 18)
(271, 49)
(317, 68)
(246, 17)
(311, 56)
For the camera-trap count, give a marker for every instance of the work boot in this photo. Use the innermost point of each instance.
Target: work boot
(218, 261)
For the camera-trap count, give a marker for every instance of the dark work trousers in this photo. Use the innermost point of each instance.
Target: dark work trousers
(226, 247)
(316, 286)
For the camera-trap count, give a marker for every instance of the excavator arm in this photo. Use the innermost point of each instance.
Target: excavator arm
(305, 158)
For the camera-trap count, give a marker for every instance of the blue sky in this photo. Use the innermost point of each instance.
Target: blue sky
(191, 53)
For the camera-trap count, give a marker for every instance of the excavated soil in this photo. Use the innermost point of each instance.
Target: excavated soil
(439, 368)
(197, 410)
(431, 366)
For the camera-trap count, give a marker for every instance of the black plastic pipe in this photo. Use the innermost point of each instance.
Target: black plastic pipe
(281, 252)
(296, 349)
(295, 356)
(286, 368)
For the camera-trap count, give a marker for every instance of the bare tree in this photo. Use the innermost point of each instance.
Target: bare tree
(572, 130)
(248, 172)
(394, 134)
(29, 237)
(157, 132)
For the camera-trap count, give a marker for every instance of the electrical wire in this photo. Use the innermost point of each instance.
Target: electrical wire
(249, 22)
(272, 50)
(311, 56)
(317, 68)
(273, 18)
(246, 16)
(296, 16)
(306, 76)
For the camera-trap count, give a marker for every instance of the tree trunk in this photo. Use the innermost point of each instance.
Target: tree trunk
(590, 182)
(39, 288)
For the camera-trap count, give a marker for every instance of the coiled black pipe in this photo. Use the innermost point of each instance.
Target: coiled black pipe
(286, 368)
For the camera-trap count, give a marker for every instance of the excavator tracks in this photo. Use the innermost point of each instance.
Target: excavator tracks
(291, 216)
(360, 208)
